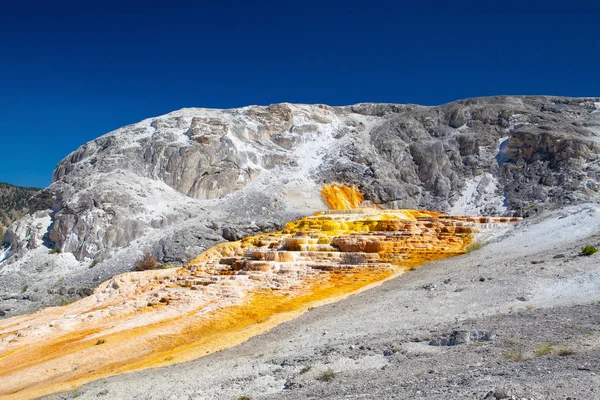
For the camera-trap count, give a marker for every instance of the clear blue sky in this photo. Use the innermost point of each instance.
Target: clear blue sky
(73, 70)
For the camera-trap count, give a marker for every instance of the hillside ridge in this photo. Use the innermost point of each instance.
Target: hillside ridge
(176, 184)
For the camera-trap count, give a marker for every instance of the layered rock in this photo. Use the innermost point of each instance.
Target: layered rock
(225, 295)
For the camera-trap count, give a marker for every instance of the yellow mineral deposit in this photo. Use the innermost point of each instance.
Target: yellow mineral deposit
(341, 197)
(228, 294)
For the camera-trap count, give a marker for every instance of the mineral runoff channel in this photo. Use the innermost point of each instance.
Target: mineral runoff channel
(228, 294)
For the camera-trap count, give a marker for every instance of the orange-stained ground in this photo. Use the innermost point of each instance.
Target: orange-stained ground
(36, 370)
(228, 294)
(341, 197)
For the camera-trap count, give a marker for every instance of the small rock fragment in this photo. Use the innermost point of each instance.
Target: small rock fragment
(482, 336)
(455, 338)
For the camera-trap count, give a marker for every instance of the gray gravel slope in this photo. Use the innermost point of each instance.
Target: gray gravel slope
(524, 294)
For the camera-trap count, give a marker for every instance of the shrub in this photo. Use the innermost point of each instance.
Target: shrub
(566, 351)
(542, 350)
(146, 262)
(326, 376)
(62, 301)
(305, 369)
(588, 250)
(54, 251)
(514, 355)
(474, 247)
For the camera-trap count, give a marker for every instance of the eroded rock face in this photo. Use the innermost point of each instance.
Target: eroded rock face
(490, 156)
(427, 156)
(104, 193)
(29, 232)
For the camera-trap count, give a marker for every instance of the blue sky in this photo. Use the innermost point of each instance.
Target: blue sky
(73, 70)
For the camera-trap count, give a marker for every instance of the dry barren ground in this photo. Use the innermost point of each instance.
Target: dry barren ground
(519, 318)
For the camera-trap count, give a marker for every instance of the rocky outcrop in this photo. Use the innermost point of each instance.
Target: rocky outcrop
(29, 232)
(549, 166)
(424, 156)
(260, 166)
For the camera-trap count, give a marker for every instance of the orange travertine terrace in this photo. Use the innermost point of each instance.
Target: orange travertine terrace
(228, 294)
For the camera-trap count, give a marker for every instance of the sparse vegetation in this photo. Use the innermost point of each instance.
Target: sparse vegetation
(566, 351)
(474, 247)
(146, 262)
(63, 301)
(516, 350)
(514, 355)
(244, 398)
(99, 342)
(512, 340)
(326, 376)
(542, 350)
(305, 369)
(588, 250)
(54, 251)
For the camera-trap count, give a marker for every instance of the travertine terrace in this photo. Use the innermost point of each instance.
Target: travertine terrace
(229, 293)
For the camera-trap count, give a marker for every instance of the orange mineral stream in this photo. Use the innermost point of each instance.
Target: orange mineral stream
(341, 197)
(225, 296)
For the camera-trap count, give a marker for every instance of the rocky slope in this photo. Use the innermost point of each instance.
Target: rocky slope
(516, 319)
(176, 184)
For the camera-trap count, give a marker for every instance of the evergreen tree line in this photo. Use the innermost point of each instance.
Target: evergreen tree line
(14, 203)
